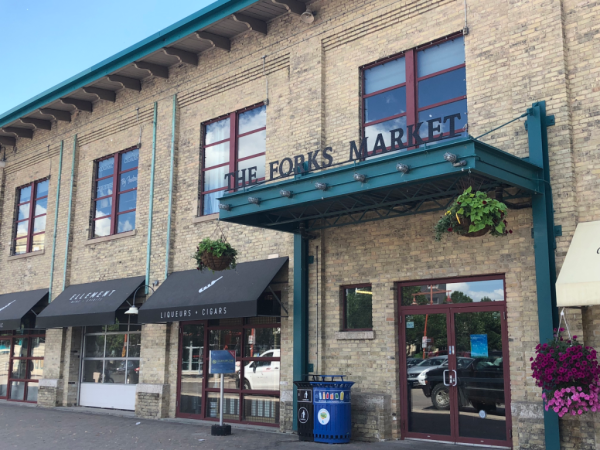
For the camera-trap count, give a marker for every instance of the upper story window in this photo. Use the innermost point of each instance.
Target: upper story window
(234, 154)
(421, 85)
(30, 223)
(115, 193)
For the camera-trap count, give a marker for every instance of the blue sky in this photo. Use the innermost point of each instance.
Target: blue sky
(44, 42)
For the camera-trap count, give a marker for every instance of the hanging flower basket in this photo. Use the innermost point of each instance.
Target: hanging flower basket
(215, 255)
(473, 214)
(568, 374)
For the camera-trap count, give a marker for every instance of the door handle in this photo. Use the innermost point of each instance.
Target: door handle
(455, 378)
(444, 378)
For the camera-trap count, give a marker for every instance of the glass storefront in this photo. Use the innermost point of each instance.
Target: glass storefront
(21, 364)
(252, 393)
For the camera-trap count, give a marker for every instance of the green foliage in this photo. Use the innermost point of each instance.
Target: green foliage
(216, 248)
(476, 209)
(359, 310)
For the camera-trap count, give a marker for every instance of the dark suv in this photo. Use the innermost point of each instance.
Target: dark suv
(480, 383)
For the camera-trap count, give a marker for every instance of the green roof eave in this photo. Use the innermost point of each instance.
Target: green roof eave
(203, 18)
(426, 164)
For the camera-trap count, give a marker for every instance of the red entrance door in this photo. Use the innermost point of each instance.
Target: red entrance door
(454, 362)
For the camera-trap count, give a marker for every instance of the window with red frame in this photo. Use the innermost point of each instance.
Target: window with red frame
(115, 198)
(30, 223)
(357, 307)
(235, 143)
(422, 84)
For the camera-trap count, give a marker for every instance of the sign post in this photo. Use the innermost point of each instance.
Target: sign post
(221, 362)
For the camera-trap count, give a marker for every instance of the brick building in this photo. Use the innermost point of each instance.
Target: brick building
(318, 124)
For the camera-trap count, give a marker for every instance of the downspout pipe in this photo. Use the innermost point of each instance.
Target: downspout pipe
(149, 244)
(544, 246)
(69, 212)
(300, 330)
(56, 206)
(173, 122)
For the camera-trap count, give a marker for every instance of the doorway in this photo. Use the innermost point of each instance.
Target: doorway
(454, 361)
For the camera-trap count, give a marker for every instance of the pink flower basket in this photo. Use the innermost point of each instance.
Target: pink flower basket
(568, 374)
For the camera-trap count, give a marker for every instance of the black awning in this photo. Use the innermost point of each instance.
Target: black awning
(88, 304)
(14, 307)
(193, 295)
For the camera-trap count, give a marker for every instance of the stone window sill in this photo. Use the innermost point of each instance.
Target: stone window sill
(110, 238)
(26, 255)
(206, 218)
(354, 335)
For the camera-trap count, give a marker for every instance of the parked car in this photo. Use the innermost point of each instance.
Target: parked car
(480, 383)
(416, 373)
(412, 362)
(263, 375)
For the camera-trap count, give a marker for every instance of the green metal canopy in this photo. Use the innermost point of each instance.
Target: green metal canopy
(429, 185)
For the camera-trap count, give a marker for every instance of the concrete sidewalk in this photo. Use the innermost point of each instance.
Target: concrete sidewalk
(82, 429)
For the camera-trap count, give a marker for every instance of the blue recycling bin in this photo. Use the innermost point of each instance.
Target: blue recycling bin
(332, 409)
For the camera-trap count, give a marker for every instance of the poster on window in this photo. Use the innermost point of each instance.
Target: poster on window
(479, 346)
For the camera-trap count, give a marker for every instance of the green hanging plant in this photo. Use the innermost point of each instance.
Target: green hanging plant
(472, 215)
(216, 255)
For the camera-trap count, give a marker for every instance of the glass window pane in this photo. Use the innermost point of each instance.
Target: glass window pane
(231, 407)
(225, 340)
(126, 222)
(104, 187)
(440, 57)
(447, 293)
(442, 87)
(24, 211)
(129, 160)
(25, 194)
(115, 371)
(41, 206)
(210, 202)
(4, 361)
(459, 107)
(106, 167)
(39, 224)
(216, 154)
(258, 162)
(128, 180)
(385, 105)
(115, 346)
(22, 228)
(127, 201)
(261, 340)
(32, 392)
(384, 128)
(262, 375)
(104, 207)
(36, 369)
(252, 144)
(20, 246)
(215, 178)
(95, 329)
(20, 347)
(135, 343)
(41, 189)
(359, 308)
(17, 390)
(102, 227)
(94, 346)
(38, 242)
(261, 409)
(385, 75)
(217, 131)
(19, 369)
(133, 372)
(38, 345)
(252, 120)
(92, 371)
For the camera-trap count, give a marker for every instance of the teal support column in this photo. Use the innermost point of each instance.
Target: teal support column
(300, 315)
(544, 245)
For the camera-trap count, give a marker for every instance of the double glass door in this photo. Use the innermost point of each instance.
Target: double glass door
(454, 369)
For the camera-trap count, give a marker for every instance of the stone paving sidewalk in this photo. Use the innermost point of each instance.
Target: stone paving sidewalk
(81, 429)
